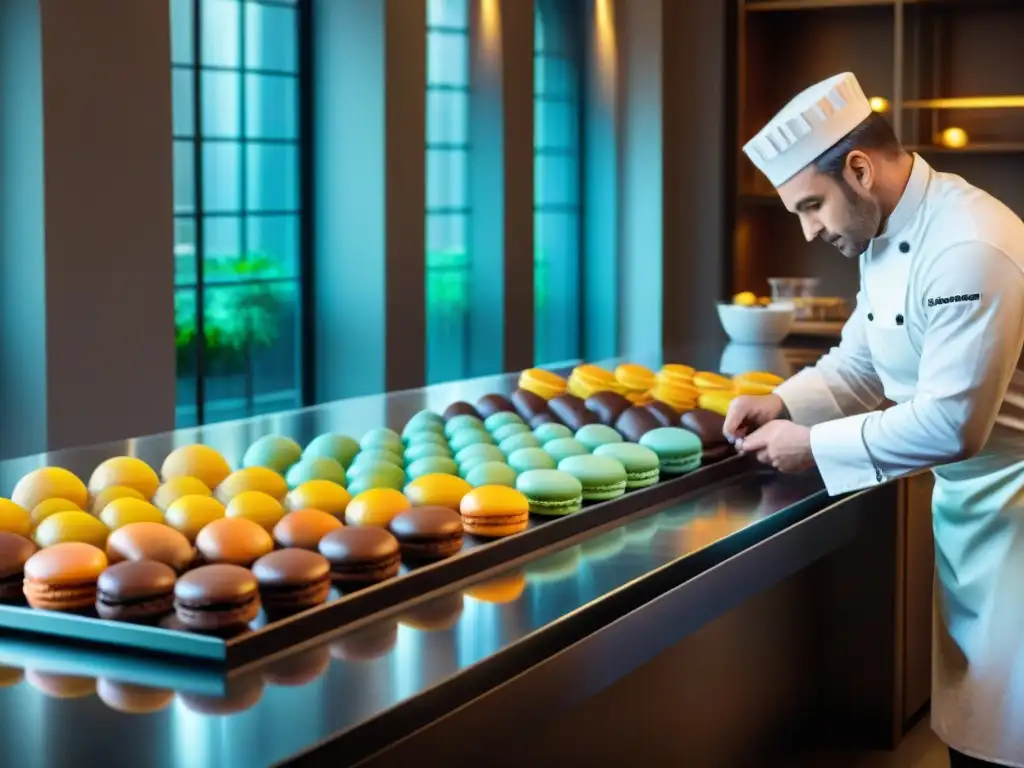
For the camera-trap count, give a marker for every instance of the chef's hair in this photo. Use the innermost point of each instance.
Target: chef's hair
(873, 134)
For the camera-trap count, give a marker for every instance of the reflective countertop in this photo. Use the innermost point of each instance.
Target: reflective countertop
(58, 704)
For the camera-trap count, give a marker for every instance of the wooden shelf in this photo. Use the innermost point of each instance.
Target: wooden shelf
(818, 328)
(967, 102)
(981, 148)
(811, 5)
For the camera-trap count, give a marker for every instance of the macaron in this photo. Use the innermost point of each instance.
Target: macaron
(49, 483)
(464, 438)
(175, 488)
(531, 458)
(555, 567)
(423, 421)
(479, 452)
(381, 437)
(376, 507)
(709, 427)
(678, 450)
(437, 490)
(319, 494)
(635, 422)
(125, 511)
(543, 418)
(71, 526)
(508, 430)
(99, 502)
(315, 468)
(150, 541)
(233, 541)
(666, 415)
(459, 408)
(463, 421)
(303, 528)
(42, 511)
(607, 406)
(125, 470)
(494, 511)
(252, 479)
(63, 577)
(15, 551)
(602, 477)
(542, 383)
(641, 463)
(419, 451)
(374, 456)
(522, 440)
(591, 436)
(274, 452)
(571, 411)
(361, 555)
(564, 447)
(428, 533)
(292, 580)
(190, 514)
(502, 419)
(529, 404)
(199, 461)
(139, 591)
(548, 432)
(551, 492)
(259, 507)
(218, 598)
(488, 405)
(437, 437)
(14, 519)
(432, 465)
(492, 473)
(331, 445)
(383, 474)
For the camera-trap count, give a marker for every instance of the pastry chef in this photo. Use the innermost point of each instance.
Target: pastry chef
(938, 329)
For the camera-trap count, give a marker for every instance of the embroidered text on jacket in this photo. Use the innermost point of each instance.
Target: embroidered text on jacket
(954, 299)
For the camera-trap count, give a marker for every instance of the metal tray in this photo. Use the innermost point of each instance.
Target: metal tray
(266, 638)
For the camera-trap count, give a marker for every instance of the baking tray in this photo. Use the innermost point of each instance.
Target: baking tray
(266, 638)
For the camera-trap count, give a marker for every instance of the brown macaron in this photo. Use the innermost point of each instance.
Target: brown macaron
(459, 408)
(428, 533)
(709, 427)
(488, 405)
(15, 551)
(217, 598)
(571, 411)
(63, 577)
(528, 404)
(233, 541)
(304, 528)
(635, 422)
(607, 406)
(292, 580)
(666, 415)
(360, 555)
(150, 541)
(136, 590)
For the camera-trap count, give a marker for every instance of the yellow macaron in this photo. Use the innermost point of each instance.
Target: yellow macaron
(377, 506)
(542, 383)
(437, 490)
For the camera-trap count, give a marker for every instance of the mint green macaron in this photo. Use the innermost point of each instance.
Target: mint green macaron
(425, 450)
(319, 468)
(426, 436)
(387, 474)
(678, 450)
(375, 456)
(464, 438)
(522, 440)
(551, 493)
(478, 452)
(548, 432)
(602, 478)
(564, 447)
(382, 437)
(491, 473)
(341, 448)
(462, 421)
(274, 452)
(641, 463)
(526, 459)
(501, 419)
(424, 421)
(590, 436)
(509, 430)
(432, 465)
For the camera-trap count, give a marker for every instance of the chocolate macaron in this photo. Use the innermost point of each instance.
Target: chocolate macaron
(666, 415)
(136, 590)
(151, 541)
(292, 580)
(528, 405)
(571, 411)
(428, 533)
(488, 405)
(459, 408)
(15, 551)
(635, 422)
(217, 598)
(708, 426)
(607, 406)
(361, 555)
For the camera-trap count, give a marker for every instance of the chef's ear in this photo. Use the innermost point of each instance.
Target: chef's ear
(860, 169)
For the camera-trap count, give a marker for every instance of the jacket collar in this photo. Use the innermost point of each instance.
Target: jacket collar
(911, 200)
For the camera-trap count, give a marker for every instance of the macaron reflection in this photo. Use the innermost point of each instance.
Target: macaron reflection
(241, 693)
(555, 567)
(365, 643)
(434, 615)
(500, 590)
(61, 686)
(299, 668)
(131, 699)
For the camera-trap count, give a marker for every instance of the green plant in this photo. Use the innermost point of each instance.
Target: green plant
(241, 313)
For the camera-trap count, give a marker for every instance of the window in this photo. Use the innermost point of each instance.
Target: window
(448, 219)
(237, 207)
(556, 210)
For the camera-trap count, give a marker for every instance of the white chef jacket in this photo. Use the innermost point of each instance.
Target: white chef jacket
(939, 330)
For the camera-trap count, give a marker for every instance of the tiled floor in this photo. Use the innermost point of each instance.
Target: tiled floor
(919, 749)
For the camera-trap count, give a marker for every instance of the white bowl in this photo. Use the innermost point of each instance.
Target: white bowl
(757, 325)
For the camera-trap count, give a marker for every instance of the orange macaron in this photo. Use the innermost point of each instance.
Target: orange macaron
(493, 511)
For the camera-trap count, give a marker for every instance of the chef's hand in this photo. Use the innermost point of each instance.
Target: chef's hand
(748, 412)
(782, 444)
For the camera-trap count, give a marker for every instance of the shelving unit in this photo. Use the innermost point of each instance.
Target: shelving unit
(938, 64)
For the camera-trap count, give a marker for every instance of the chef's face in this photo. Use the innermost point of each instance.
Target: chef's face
(841, 211)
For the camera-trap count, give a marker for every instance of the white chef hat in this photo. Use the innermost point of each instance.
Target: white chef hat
(807, 126)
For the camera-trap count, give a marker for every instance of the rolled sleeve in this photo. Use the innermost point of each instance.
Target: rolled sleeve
(841, 455)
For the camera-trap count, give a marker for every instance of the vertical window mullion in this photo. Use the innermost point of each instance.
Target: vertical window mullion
(197, 173)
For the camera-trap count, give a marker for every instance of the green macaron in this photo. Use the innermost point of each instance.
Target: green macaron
(382, 437)
(479, 451)
(501, 419)
(426, 436)
(564, 447)
(602, 478)
(274, 452)
(425, 450)
(341, 448)
(509, 430)
(432, 465)
(374, 456)
(526, 459)
(550, 492)
(424, 421)
(491, 473)
(389, 475)
(464, 438)
(522, 440)
(460, 422)
(590, 436)
(551, 431)
(319, 468)
(641, 463)
(678, 450)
